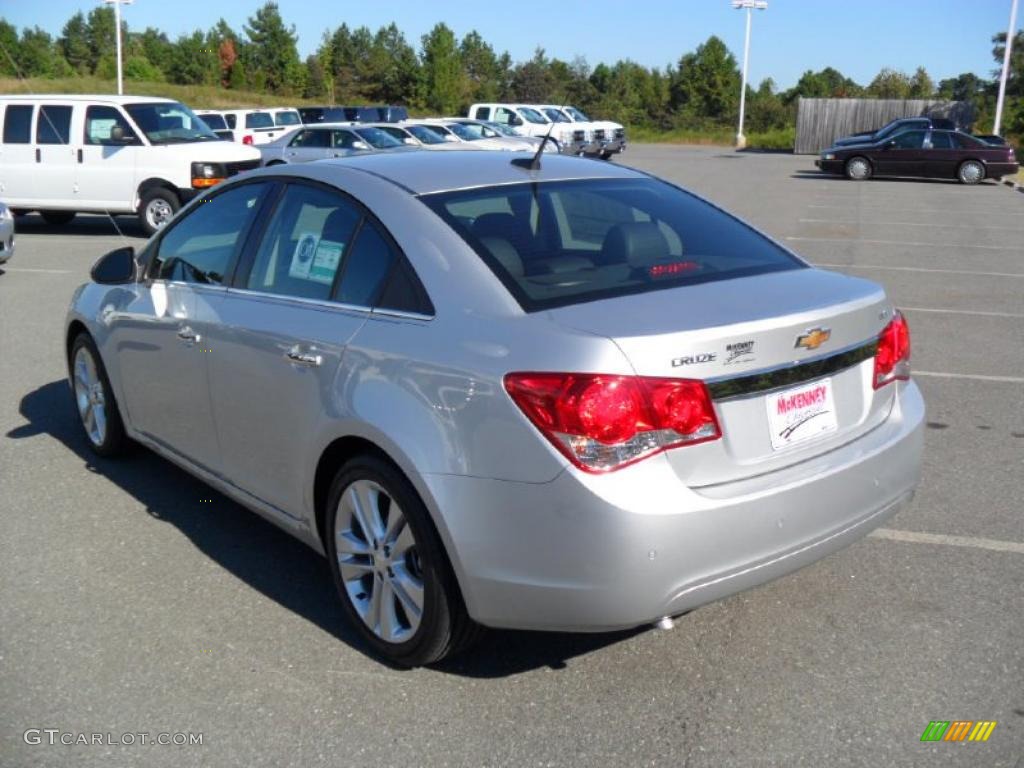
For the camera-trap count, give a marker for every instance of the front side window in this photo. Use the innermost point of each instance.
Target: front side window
(558, 243)
(909, 140)
(303, 246)
(969, 142)
(425, 134)
(101, 124)
(378, 139)
(503, 116)
(533, 116)
(200, 247)
(18, 124)
(53, 124)
(312, 138)
(169, 123)
(344, 140)
(259, 120)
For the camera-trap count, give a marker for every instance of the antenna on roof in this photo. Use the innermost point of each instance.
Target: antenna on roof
(533, 164)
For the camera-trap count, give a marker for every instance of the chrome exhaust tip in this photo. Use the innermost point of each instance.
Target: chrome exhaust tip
(665, 623)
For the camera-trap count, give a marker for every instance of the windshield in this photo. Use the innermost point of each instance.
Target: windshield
(378, 139)
(533, 116)
(288, 117)
(169, 123)
(425, 134)
(566, 242)
(555, 116)
(577, 115)
(214, 122)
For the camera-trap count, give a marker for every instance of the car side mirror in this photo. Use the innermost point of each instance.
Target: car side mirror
(515, 120)
(410, 141)
(360, 145)
(119, 135)
(116, 267)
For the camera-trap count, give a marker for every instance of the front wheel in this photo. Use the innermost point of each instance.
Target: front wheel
(858, 169)
(157, 206)
(389, 566)
(970, 172)
(94, 399)
(58, 218)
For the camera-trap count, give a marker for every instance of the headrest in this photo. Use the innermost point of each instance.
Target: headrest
(504, 252)
(638, 243)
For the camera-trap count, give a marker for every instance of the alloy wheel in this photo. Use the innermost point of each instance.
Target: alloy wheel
(90, 396)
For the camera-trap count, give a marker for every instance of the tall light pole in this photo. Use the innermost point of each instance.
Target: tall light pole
(1006, 67)
(117, 37)
(749, 5)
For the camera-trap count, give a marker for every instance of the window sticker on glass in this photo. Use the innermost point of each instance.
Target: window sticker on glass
(325, 261)
(302, 259)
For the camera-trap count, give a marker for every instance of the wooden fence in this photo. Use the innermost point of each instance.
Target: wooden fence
(819, 122)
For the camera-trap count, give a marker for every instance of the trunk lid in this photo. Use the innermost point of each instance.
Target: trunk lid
(785, 341)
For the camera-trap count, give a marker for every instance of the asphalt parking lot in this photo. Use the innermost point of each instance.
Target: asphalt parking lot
(134, 599)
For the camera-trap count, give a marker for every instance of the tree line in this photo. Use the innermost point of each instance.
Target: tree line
(445, 74)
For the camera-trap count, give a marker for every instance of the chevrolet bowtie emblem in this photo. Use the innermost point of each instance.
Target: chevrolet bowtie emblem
(813, 338)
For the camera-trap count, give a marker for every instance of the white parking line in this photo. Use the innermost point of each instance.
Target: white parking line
(974, 312)
(917, 269)
(987, 212)
(913, 243)
(914, 537)
(970, 376)
(910, 224)
(30, 269)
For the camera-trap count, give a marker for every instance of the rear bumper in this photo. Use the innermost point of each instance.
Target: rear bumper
(994, 170)
(602, 552)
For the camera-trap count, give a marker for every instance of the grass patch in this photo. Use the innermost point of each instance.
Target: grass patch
(196, 96)
(779, 139)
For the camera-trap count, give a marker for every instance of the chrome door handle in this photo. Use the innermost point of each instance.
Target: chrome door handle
(298, 357)
(189, 336)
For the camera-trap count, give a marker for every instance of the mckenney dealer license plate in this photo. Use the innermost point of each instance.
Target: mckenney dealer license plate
(801, 413)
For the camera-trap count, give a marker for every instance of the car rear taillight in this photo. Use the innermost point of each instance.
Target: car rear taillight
(247, 139)
(892, 359)
(604, 422)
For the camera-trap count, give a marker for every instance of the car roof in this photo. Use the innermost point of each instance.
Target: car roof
(425, 172)
(103, 97)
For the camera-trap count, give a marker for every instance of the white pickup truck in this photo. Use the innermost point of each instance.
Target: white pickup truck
(607, 138)
(527, 120)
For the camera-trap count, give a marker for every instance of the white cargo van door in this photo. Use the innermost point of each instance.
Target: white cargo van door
(55, 158)
(17, 156)
(108, 156)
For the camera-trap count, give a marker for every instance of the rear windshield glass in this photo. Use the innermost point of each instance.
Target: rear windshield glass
(287, 118)
(568, 242)
(259, 120)
(215, 122)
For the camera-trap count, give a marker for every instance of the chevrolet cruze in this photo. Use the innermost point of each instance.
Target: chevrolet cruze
(573, 397)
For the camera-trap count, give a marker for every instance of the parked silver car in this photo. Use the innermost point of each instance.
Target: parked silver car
(571, 397)
(6, 233)
(324, 140)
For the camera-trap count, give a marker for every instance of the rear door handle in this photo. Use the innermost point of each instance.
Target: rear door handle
(296, 356)
(189, 336)
(79, 155)
(39, 155)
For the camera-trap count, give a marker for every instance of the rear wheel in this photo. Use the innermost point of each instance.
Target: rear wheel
(606, 155)
(58, 218)
(157, 206)
(389, 566)
(858, 168)
(94, 399)
(970, 172)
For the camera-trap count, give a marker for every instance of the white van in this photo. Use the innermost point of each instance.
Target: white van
(255, 126)
(109, 154)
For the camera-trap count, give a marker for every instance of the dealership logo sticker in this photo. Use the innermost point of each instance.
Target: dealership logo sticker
(813, 338)
(740, 352)
(958, 730)
(703, 357)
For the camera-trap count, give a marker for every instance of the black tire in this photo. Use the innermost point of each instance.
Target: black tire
(444, 626)
(275, 162)
(607, 155)
(57, 218)
(858, 168)
(114, 440)
(156, 207)
(970, 172)
(21, 211)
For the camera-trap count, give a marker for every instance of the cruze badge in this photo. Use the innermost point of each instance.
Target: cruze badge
(704, 357)
(813, 338)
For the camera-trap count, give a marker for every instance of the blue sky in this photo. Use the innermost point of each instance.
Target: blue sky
(947, 37)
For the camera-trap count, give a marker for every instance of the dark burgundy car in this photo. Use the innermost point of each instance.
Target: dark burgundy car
(926, 153)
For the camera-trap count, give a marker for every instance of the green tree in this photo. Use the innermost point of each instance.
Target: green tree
(141, 68)
(237, 80)
(155, 47)
(36, 54)
(99, 34)
(890, 84)
(274, 50)
(533, 81)
(921, 85)
(325, 61)
(765, 110)
(9, 53)
(1015, 76)
(73, 44)
(193, 62)
(829, 83)
(394, 64)
(707, 83)
(486, 74)
(442, 70)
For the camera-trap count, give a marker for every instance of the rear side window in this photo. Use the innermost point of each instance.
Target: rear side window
(483, 113)
(199, 248)
(909, 140)
(941, 140)
(18, 124)
(366, 267)
(232, 121)
(301, 251)
(559, 243)
(969, 142)
(53, 124)
(343, 139)
(312, 138)
(259, 120)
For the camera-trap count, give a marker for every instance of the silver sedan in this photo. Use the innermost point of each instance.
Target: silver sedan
(566, 397)
(6, 233)
(325, 140)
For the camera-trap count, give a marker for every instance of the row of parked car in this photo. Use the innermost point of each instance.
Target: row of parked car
(65, 154)
(920, 146)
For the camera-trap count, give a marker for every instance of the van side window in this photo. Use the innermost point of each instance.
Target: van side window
(483, 113)
(18, 124)
(100, 121)
(53, 124)
(232, 121)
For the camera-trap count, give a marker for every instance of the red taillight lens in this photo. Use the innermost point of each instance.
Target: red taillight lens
(604, 422)
(892, 359)
(247, 139)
